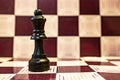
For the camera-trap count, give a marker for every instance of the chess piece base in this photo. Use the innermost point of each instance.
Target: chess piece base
(39, 65)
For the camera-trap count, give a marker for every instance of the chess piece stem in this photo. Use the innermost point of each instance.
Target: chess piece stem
(38, 48)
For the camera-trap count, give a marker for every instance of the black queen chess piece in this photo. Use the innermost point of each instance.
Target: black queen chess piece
(39, 61)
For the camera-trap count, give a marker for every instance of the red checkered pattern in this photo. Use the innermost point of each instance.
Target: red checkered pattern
(75, 28)
(86, 68)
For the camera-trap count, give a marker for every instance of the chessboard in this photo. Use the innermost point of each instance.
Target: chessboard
(75, 28)
(85, 68)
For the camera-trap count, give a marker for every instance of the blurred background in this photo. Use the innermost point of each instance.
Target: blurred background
(75, 28)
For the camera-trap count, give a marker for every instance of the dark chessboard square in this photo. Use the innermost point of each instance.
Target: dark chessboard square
(110, 25)
(6, 46)
(90, 47)
(113, 59)
(50, 47)
(34, 77)
(100, 63)
(53, 63)
(65, 69)
(110, 76)
(68, 25)
(23, 26)
(7, 6)
(89, 6)
(6, 70)
(48, 6)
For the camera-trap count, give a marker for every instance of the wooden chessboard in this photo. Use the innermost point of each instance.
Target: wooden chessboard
(75, 28)
(85, 68)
